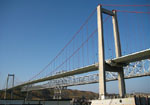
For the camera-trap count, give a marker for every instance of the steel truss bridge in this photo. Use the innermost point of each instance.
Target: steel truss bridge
(135, 70)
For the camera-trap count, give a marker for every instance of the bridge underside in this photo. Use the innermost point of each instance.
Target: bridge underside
(74, 81)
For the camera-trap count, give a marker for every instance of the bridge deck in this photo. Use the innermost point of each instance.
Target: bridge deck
(145, 54)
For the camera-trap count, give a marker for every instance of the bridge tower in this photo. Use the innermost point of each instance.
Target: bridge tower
(101, 53)
(13, 77)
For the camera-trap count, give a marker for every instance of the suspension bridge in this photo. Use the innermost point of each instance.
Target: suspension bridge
(98, 52)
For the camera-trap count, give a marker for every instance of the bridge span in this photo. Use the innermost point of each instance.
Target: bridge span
(111, 65)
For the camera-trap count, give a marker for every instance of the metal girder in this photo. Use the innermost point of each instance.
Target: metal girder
(84, 82)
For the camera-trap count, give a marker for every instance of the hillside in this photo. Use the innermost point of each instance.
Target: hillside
(48, 94)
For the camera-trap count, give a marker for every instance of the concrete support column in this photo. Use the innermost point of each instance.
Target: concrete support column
(121, 83)
(122, 90)
(101, 54)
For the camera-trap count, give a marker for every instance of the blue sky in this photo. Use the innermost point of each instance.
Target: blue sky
(32, 32)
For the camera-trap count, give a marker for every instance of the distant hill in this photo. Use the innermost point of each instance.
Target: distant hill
(48, 94)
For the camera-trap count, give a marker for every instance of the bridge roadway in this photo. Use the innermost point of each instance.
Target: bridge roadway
(111, 65)
(73, 81)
